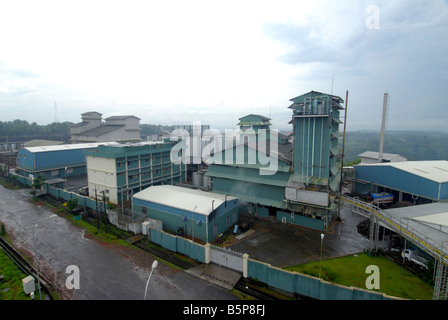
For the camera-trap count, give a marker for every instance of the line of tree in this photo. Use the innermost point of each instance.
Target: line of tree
(147, 129)
(22, 130)
(414, 145)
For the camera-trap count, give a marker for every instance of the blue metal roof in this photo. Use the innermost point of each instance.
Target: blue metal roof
(57, 156)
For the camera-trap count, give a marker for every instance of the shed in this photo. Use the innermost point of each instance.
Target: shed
(55, 160)
(427, 179)
(373, 157)
(189, 212)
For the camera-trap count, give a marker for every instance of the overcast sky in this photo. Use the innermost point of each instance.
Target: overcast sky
(216, 61)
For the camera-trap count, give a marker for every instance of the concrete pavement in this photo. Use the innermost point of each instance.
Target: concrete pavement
(284, 245)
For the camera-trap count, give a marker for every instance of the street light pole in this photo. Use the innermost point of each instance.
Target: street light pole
(35, 253)
(154, 265)
(321, 243)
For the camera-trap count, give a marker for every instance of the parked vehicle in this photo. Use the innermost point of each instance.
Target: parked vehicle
(382, 198)
(411, 255)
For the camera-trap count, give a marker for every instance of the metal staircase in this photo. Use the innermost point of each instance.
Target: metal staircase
(377, 216)
(441, 283)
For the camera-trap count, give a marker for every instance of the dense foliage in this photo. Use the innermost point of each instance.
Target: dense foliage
(21, 130)
(413, 145)
(153, 129)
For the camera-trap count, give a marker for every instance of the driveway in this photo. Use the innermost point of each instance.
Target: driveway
(284, 245)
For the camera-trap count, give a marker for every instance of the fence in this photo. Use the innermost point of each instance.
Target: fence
(23, 180)
(178, 244)
(293, 282)
(288, 281)
(227, 258)
(82, 200)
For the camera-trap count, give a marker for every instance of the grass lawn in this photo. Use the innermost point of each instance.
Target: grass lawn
(351, 271)
(13, 279)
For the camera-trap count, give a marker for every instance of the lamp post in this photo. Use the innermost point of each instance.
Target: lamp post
(206, 221)
(321, 242)
(35, 253)
(154, 265)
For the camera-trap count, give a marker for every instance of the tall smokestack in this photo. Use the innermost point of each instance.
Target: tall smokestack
(383, 127)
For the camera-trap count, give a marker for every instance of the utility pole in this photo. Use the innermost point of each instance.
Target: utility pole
(97, 215)
(105, 212)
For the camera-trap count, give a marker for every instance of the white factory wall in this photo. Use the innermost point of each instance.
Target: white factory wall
(102, 175)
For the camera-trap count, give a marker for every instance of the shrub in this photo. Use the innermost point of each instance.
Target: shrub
(2, 230)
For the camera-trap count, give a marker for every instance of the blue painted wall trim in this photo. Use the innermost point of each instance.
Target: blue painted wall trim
(397, 179)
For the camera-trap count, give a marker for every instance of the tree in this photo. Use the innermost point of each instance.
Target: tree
(353, 163)
(71, 204)
(38, 182)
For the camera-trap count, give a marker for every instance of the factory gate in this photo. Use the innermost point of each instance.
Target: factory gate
(227, 258)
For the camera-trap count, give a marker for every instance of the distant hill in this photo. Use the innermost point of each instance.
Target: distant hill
(414, 145)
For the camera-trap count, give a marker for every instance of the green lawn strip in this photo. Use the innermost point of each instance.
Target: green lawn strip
(351, 271)
(99, 234)
(13, 279)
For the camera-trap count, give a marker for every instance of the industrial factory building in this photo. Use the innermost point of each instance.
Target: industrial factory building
(192, 213)
(374, 157)
(55, 161)
(308, 172)
(413, 181)
(116, 128)
(120, 170)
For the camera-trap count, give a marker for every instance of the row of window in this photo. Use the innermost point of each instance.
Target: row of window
(145, 174)
(144, 161)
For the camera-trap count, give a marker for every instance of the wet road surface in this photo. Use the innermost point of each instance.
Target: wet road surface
(107, 271)
(284, 245)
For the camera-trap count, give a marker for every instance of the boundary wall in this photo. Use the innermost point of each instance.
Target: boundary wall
(288, 281)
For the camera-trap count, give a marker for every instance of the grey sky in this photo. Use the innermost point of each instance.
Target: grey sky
(183, 61)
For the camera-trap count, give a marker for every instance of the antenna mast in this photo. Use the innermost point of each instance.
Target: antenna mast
(56, 119)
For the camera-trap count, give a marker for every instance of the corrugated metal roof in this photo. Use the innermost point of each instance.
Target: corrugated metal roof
(435, 219)
(429, 219)
(248, 174)
(432, 170)
(121, 117)
(67, 147)
(99, 131)
(192, 200)
(375, 155)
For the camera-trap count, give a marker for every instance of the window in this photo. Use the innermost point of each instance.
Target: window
(144, 210)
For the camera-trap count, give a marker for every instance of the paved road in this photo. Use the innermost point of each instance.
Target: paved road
(107, 271)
